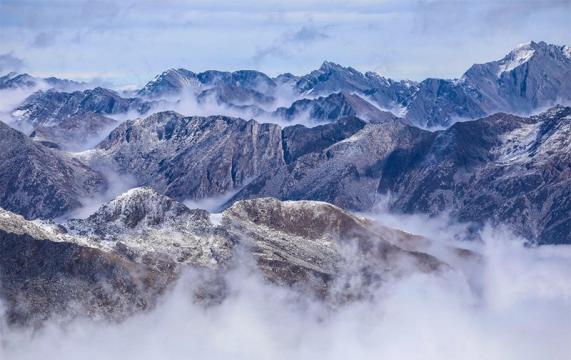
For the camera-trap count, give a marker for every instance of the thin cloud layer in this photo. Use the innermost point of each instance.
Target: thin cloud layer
(286, 44)
(9, 62)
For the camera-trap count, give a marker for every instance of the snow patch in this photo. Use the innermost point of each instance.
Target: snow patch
(567, 51)
(516, 58)
(515, 144)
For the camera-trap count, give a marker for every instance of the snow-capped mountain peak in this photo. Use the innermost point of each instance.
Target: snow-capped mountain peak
(517, 57)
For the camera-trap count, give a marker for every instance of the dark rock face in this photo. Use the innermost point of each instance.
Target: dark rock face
(75, 133)
(503, 169)
(36, 181)
(439, 103)
(299, 140)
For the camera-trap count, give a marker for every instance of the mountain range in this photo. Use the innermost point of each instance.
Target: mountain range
(295, 165)
(531, 78)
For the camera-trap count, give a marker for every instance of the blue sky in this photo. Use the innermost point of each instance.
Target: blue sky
(130, 41)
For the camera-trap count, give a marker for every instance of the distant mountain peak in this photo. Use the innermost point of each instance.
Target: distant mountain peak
(523, 53)
(326, 65)
(331, 66)
(169, 82)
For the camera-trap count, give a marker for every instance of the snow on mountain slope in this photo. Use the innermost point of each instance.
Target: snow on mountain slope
(516, 57)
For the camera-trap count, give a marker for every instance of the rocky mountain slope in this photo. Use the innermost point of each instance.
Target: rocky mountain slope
(45, 273)
(193, 157)
(503, 169)
(36, 181)
(121, 258)
(532, 76)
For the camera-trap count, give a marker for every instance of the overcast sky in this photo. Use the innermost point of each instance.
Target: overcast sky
(130, 41)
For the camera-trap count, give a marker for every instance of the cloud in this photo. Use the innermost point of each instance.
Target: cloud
(116, 184)
(307, 34)
(9, 62)
(44, 39)
(282, 46)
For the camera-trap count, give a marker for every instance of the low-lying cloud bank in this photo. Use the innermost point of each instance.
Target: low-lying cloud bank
(520, 309)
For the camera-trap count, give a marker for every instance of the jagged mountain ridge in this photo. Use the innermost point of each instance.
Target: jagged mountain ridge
(154, 151)
(532, 77)
(15, 80)
(192, 157)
